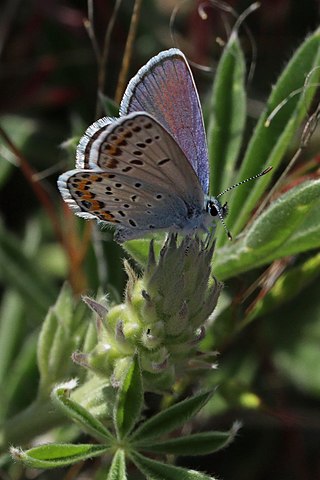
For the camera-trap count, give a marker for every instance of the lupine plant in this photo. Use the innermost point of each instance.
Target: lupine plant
(162, 339)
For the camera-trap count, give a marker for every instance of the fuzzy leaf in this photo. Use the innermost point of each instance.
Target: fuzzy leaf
(118, 467)
(171, 418)
(191, 445)
(154, 470)
(269, 143)
(227, 116)
(62, 332)
(289, 226)
(296, 212)
(56, 455)
(129, 400)
(77, 413)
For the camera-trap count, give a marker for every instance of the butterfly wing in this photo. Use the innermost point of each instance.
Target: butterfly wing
(84, 146)
(165, 88)
(142, 180)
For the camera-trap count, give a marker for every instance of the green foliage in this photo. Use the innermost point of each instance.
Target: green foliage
(77, 412)
(269, 143)
(289, 226)
(124, 444)
(56, 455)
(227, 116)
(19, 270)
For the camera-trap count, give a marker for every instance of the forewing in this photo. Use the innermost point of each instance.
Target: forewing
(142, 180)
(165, 88)
(137, 145)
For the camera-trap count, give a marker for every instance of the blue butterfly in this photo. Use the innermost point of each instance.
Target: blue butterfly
(148, 170)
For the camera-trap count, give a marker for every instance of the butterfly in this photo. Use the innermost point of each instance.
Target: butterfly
(147, 170)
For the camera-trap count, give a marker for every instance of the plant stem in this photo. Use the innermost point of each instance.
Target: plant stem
(122, 80)
(36, 419)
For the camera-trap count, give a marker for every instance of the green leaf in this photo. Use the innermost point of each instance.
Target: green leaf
(289, 226)
(97, 396)
(154, 470)
(129, 400)
(295, 212)
(227, 116)
(118, 467)
(269, 143)
(78, 413)
(23, 274)
(39, 417)
(56, 455)
(62, 332)
(191, 445)
(286, 288)
(171, 418)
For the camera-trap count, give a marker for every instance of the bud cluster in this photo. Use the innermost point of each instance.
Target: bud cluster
(162, 317)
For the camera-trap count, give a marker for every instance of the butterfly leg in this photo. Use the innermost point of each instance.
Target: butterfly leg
(121, 235)
(209, 236)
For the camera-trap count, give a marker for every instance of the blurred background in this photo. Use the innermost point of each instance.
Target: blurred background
(48, 96)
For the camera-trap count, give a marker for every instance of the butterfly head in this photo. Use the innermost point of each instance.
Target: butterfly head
(216, 209)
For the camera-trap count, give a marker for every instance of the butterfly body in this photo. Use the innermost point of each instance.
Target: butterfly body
(147, 170)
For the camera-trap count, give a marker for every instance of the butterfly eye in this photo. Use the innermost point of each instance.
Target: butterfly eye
(212, 209)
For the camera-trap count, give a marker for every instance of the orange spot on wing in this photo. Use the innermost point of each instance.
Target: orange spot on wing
(111, 163)
(108, 217)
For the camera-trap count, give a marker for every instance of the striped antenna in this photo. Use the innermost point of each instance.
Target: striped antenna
(244, 181)
(224, 224)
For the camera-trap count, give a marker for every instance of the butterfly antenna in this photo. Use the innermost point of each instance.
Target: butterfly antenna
(220, 215)
(240, 183)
